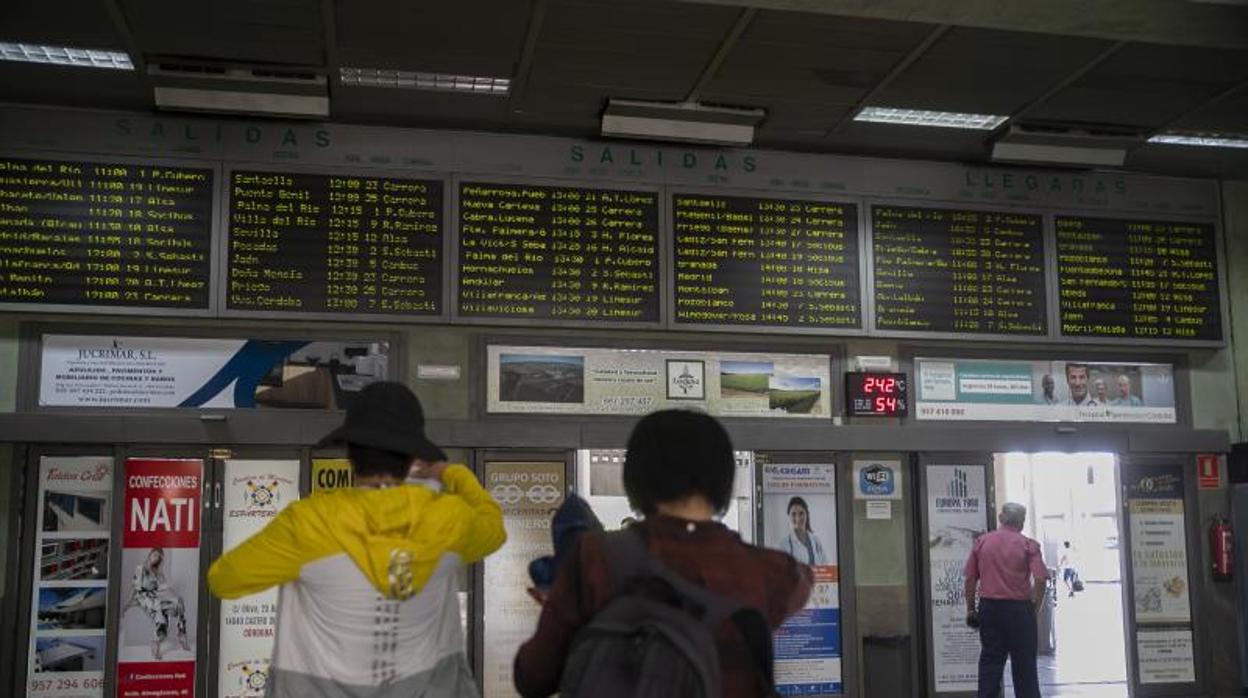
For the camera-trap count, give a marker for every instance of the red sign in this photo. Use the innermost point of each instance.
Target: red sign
(1209, 471)
(160, 578)
(162, 503)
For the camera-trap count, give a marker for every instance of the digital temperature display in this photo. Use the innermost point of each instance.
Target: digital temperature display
(877, 394)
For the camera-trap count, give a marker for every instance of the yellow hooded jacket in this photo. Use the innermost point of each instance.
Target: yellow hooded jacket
(340, 557)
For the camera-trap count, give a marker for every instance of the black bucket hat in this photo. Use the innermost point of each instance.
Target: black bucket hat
(386, 415)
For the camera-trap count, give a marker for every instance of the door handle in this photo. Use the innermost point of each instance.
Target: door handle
(206, 497)
(217, 494)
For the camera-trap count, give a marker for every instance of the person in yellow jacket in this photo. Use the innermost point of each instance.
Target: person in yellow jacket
(368, 606)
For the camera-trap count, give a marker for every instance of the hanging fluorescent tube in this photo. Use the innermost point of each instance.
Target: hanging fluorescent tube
(1212, 140)
(921, 117)
(65, 55)
(414, 80)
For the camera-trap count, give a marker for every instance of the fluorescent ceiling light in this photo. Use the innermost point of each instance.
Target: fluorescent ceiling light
(688, 122)
(413, 80)
(65, 55)
(1213, 140)
(239, 101)
(921, 117)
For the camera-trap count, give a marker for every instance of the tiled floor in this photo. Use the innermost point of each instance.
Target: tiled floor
(1090, 661)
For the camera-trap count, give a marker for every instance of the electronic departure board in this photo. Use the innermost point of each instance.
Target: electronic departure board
(348, 244)
(753, 261)
(1138, 279)
(105, 234)
(558, 253)
(958, 271)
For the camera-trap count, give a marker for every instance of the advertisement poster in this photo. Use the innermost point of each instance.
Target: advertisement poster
(255, 491)
(110, 371)
(529, 493)
(1166, 656)
(1057, 391)
(329, 474)
(1158, 544)
(70, 598)
(799, 518)
(567, 380)
(877, 479)
(956, 515)
(160, 578)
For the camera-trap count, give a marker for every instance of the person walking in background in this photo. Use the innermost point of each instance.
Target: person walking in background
(1070, 570)
(1005, 572)
(369, 574)
(678, 473)
(801, 541)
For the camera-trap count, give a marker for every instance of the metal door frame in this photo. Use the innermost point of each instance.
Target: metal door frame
(923, 562)
(25, 548)
(851, 684)
(1184, 465)
(476, 600)
(214, 530)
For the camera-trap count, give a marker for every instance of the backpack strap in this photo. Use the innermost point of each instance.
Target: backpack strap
(629, 559)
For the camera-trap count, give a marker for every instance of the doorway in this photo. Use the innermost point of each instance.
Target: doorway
(1074, 511)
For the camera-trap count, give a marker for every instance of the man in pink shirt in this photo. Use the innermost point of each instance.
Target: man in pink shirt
(1006, 571)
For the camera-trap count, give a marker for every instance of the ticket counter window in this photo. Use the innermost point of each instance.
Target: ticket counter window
(600, 480)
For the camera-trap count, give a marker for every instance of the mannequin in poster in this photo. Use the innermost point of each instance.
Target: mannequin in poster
(152, 593)
(801, 541)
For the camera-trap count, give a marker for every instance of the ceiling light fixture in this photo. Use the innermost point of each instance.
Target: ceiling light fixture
(1211, 140)
(65, 55)
(684, 122)
(923, 117)
(414, 80)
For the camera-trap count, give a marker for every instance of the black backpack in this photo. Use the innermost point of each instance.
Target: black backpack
(656, 636)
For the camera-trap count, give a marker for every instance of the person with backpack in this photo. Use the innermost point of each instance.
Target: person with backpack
(676, 604)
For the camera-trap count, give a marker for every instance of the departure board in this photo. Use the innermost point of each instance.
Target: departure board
(105, 234)
(766, 262)
(317, 243)
(1138, 279)
(558, 253)
(958, 271)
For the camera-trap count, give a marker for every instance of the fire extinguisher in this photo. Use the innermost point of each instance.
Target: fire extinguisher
(1220, 541)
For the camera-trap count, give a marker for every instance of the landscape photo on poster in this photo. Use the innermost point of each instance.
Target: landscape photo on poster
(745, 379)
(66, 511)
(541, 378)
(69, 653)
(71, 608)
(794, 394)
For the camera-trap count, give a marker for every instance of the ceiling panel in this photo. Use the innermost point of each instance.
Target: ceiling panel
(819, 59)
(1147, 86)
(79, 87)
(59, 23)
(475, 37)
(1183, 161)
(987, 71)
(590, 22)
(1228, 115)
(826, 32)
(251, 31)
